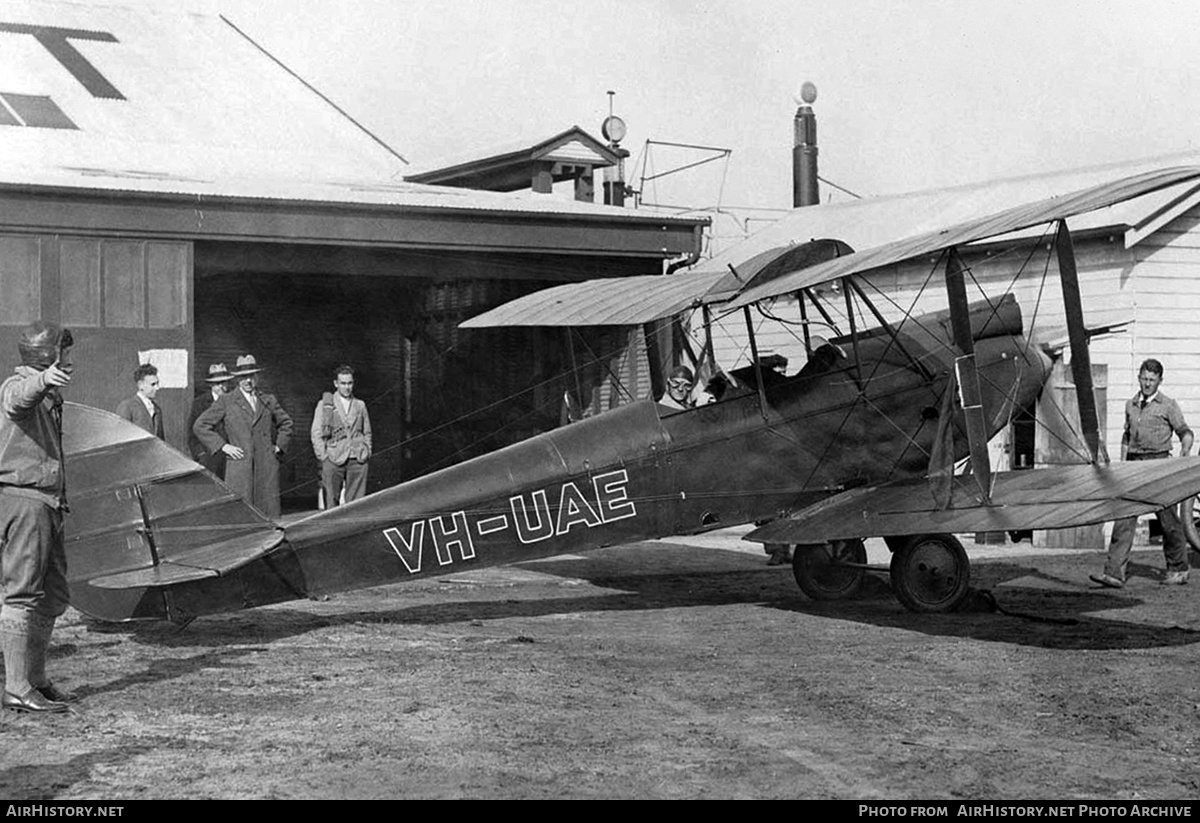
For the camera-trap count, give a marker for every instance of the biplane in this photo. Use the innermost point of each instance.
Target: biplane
(861, 442)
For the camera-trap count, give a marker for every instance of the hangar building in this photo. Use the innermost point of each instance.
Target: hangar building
(169, 190)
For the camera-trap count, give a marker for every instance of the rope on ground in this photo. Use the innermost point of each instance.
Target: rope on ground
(982, 600)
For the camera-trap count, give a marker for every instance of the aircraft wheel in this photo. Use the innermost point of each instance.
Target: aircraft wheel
(931, 573)
(820, 572)
(1188, 518)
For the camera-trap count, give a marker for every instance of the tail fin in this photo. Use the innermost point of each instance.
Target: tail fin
(144, 515)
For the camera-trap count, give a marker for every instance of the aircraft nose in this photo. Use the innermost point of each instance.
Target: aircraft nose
(1039, 362)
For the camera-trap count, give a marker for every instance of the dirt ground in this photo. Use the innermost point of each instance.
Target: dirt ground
(658, 670)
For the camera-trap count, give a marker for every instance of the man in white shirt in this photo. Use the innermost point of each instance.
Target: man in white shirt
(142, 408)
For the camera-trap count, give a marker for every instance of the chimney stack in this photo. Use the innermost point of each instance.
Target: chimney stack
(805, 191)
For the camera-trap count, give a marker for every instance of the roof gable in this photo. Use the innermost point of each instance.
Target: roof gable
(509, 167)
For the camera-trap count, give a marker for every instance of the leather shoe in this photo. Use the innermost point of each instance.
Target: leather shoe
(1105, 579)
(32, 701)
(53, 693)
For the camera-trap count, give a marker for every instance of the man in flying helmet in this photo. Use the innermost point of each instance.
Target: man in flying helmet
(33, 499)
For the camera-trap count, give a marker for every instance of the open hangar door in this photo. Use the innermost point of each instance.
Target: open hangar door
(300, 328)
(436, 394)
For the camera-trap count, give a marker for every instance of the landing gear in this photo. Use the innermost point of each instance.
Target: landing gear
(930, 573)
(1189, 513)
(830, 571)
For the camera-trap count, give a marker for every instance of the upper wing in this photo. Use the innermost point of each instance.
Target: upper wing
(786, 269)
(992, 225)
(1051, 498)
(608, 301)
(627, 301)
(144, 514)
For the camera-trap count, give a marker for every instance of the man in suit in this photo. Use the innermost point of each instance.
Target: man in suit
(341, 439)
(217, 384)
(256, 434)
(142, 409)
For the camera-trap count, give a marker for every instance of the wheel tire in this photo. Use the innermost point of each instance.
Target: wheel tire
(819, 571)
(1187, 518)
(931, 573)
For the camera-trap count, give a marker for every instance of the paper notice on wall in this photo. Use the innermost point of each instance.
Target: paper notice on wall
(172, 366)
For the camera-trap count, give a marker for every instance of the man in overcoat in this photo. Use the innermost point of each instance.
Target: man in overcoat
(257, 432)
(142, 408)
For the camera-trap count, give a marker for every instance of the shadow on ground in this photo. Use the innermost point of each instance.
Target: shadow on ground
(1045, 601)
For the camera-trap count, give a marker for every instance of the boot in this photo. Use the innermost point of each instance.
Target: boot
(20, 640)
(40, 629)
(14, 643)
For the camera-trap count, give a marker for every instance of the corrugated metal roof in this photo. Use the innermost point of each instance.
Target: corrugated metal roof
(165, 101)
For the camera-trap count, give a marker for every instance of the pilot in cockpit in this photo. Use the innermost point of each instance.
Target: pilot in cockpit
(679, 395)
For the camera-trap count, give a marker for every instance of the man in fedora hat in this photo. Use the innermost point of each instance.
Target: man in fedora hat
(257, 431)
(217, 383)
(142, 408)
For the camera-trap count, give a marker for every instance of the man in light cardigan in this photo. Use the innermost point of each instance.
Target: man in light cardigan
(341, 440)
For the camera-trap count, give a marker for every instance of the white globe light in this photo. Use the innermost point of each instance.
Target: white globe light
(808, 93)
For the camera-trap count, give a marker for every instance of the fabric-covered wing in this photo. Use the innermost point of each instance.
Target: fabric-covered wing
(1052, 498)
(627, 301)
(609, 301)
(992, 225)
(144, 514)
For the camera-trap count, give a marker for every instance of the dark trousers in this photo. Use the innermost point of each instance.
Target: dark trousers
(1174, 542)
(352, 474)
(33, 559)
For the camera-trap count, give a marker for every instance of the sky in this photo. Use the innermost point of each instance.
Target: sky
(913, 94)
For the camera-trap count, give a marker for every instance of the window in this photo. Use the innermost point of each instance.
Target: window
(167, 283)
(79, 276)
(124, 267)
(20, 280)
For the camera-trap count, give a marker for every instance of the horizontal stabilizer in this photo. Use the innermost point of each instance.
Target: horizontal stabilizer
(209, 561)
(1058, 497)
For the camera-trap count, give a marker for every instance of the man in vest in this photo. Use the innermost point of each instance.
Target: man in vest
(341, 439)
(142, 408)
(33, 498)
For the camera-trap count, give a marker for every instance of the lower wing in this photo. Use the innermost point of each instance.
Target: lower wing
(1050, 498)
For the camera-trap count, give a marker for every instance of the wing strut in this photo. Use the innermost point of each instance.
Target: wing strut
(1077, 335)
(968, 376)
(758, 375)
(824, 314)
(853, 332)
(804, 324)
